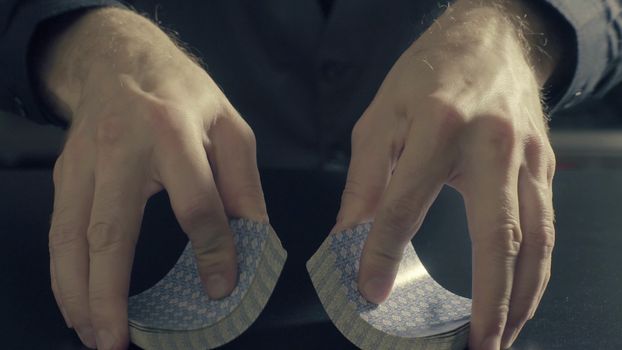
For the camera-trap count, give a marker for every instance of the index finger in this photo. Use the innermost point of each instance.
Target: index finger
(420, 173)
(187, 176)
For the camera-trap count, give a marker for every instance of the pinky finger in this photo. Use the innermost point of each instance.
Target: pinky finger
(545, 283)
(534, 260)
(56, 294)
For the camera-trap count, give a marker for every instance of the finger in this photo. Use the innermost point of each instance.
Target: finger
(535, 252)
(550, 174)
(547, 278)
(114, 226)
(53, 283)
(186, 174)
(491, 202)
(57, 294)
(68, 244)
(232, 154)
(374, 153)
(420, 173)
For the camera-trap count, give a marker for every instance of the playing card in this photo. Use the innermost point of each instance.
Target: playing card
(419, 313)
(176, 313)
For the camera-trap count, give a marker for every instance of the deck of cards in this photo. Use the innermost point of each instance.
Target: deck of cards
(419, 313)
(176, 313)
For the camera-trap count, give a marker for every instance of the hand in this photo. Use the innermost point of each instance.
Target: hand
(461, 107)
(144, 117)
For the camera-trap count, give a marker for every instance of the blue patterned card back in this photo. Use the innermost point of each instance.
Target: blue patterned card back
(178, 301)
(417, 306)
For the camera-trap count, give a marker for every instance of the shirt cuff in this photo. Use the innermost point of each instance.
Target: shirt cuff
(589, 19)
(15, 42)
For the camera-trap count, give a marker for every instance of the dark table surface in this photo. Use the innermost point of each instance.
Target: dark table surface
(582, 308)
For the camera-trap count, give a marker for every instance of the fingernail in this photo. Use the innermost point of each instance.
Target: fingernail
(492, 343)
(509, 337)
(105, 340)
(376, 289)
(87, 336)
(216, 286)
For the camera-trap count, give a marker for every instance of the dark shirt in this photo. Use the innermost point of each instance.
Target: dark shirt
(302, 72)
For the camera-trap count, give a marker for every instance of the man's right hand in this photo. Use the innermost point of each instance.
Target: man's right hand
(144, 117)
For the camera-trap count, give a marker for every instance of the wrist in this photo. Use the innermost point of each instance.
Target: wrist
(541, 39)
(500, 27)
(99, 44)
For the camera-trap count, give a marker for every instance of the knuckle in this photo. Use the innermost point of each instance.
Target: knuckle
(63, 236)
(75, 304)
(504, 241)
(551, 165)
(171, 127)
(104, 237)
(361, 193)
(397, 216)
(197, 212)
(537, 150)
(543, 191)
(110, 130)
(449, 115)
(499, 312)
(247, 132)
(541, 241)
(216, 254)
(535, 147)
(499, 135)
(502, 309)
(384, 256)
(228, 129)
(162, 118)
(72, 298)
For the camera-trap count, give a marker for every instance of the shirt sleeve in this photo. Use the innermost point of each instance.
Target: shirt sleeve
(597, 49)
(19, 19)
